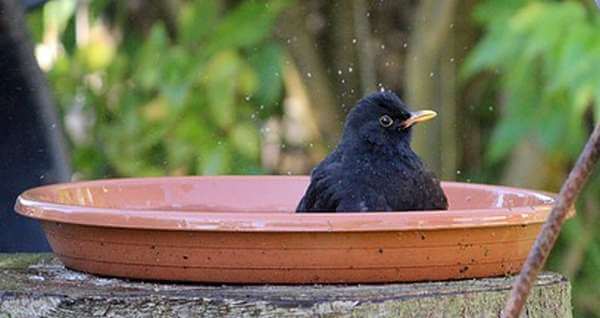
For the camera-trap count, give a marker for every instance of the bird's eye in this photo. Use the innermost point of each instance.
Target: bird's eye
(386, 121)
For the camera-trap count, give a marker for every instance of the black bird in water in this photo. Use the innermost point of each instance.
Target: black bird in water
(373, 167)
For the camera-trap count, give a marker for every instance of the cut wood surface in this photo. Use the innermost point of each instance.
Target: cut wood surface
(37, 285)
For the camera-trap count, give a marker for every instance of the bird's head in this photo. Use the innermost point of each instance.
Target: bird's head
(383, 119)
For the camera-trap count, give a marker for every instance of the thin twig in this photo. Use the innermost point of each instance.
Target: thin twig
(550, 230)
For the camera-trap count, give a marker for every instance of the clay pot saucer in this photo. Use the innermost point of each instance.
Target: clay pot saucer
(242, 229)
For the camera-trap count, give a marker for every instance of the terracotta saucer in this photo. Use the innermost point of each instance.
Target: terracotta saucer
(242, 229)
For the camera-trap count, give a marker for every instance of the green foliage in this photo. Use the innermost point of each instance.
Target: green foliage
(545, 54)
(158, 105)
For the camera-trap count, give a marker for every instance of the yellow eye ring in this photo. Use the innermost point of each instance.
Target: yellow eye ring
(386, 121)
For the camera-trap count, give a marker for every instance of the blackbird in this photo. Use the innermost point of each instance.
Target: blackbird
(373, 167)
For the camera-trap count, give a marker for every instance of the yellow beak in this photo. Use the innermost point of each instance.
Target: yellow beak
(419, 117)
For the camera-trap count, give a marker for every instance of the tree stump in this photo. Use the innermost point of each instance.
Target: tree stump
(37, 285)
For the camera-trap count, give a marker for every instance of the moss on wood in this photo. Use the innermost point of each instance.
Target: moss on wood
(36, 285)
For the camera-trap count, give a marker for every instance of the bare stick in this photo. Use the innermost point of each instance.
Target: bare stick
(551, 228)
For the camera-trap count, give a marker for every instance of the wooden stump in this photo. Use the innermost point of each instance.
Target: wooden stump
(37, 285)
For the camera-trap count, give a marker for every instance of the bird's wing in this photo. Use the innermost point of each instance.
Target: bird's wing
(436, 198)
(322, 194)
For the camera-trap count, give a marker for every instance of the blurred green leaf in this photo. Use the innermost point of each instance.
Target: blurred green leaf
(35, 22)
(246, 25)
(149, 62)
(267, 63)
(177, 76)
(492, 12)
(89, 161)
(245, 138)
(506, 135)
(221, 81)
(196, 20)
(247, 80)
(214, 162)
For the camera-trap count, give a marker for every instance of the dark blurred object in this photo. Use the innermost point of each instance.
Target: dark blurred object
(31, 142)
(32, 4)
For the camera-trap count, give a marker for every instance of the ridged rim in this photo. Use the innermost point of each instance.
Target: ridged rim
(30, 204)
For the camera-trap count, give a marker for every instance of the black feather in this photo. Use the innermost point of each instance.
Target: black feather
(373, 167)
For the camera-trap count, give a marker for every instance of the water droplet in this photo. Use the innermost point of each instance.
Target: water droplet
(247, 98)
(431, 74)
(491, 108)
(53, 126)
(253, 116)
(354, 41)
(282, 146)
(343, 81)
(289, 173)
(457, 171)
(451, 25)
(289, 41)
(405, 45)
(261, 106)
(350, 69)
(451, 60)
(383, 46)
(309, 74)
(339, 72)
(311, 145)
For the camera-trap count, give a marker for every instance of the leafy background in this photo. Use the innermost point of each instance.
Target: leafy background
(546, 56)
(153, 104)
(180, 87)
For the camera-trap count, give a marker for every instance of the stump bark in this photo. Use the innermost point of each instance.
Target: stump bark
(37, 285)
